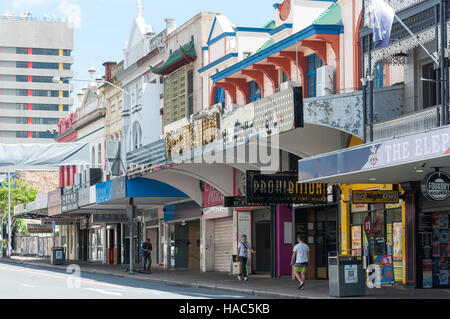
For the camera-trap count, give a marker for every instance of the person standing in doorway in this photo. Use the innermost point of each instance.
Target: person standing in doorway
(147, 248)
(299, 260)
(243, 249)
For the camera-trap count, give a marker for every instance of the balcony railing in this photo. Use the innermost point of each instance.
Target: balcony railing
(408, 124)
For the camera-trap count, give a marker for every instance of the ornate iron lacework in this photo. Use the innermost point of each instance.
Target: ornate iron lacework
(403, 46)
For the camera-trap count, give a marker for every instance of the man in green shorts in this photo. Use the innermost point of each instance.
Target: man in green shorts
(299, 260)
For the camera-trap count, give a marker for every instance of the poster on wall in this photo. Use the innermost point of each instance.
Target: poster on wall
(443, 277)
(387, 270)
(427, 273)
(397, 238)
(356, 241)
(351, 274)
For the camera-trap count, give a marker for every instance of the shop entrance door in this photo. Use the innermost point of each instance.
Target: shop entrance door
(262, 247)
(326, 239)
(83, 242)
(152, 234)
(181, 246)
(194, 246)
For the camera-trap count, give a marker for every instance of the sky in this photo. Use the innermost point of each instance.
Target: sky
(101, 27)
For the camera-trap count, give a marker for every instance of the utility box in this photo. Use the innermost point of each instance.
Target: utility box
(58, 256)
(347, 277)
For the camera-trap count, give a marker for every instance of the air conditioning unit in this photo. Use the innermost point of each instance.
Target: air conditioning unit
(288, 84)
(325, 81)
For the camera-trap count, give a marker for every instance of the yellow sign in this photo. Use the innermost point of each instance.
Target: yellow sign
(375, 197)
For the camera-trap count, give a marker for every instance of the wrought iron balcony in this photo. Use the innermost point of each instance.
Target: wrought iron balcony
(415, 122)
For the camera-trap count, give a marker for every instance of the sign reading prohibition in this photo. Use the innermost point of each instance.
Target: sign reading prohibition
(436, 186)
(375, 197)
(282, 188)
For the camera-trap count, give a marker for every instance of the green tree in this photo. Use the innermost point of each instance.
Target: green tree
(21, 193)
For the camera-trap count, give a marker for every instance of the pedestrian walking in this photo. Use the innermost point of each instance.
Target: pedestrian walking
(147, 250)
(300, 258)
(243, 249)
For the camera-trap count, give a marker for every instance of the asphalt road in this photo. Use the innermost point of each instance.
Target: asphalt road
(27, 282)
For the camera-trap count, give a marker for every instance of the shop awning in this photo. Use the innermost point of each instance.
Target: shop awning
(394, 161)
(146, 194)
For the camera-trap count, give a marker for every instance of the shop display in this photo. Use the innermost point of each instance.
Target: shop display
(440, 248)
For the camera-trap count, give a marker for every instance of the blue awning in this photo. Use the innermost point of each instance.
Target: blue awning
(144, 191)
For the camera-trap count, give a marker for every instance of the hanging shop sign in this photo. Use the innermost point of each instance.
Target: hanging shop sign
(108, 218)
(436, 186)
(283, 188)
(69, 202)
(374, 197)
(39, 229)
(54, 202)
(58, 221)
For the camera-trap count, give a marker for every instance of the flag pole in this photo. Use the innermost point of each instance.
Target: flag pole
(417, 40)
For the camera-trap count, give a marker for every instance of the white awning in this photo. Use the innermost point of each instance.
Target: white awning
(51, 154)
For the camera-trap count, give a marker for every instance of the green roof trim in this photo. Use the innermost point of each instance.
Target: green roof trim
(269, 43)
(270, 25)
(332, 15)
(184, 55)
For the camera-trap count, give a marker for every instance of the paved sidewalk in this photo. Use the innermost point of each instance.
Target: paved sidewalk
(257, 285)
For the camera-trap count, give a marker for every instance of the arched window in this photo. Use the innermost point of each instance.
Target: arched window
(137, 136)
(255, 91)
(99, 155)
(93, 156)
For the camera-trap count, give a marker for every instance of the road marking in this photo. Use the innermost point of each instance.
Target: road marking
(104, 291)
(65, 277)
(27, 285)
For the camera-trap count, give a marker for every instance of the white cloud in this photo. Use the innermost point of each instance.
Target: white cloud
(67, 9)
(72, 11)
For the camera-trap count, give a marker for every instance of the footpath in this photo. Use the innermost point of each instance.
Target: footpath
(257, 285)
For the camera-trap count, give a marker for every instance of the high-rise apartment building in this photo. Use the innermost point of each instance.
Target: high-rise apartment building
(35, 68)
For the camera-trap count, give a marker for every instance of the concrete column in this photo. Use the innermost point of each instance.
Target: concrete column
(206, 245)
(166, 246)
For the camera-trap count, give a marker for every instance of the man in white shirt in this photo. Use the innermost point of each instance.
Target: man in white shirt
(299, 260)
(243, 249)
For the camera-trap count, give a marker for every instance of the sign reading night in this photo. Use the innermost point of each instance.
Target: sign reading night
(375, 197)
(436, 186)
(282, 188)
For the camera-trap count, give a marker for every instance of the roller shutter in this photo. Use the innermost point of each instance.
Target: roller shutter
(223, 244)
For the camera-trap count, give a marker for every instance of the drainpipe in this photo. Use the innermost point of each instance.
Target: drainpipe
(444, 75)
(370, 78)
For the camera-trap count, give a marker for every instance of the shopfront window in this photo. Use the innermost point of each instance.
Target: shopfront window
(96, 247)
(386, 238)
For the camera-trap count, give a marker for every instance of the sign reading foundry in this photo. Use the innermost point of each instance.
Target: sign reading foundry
(436, 186)
(282, 188)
